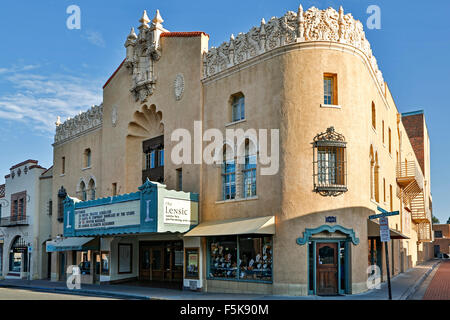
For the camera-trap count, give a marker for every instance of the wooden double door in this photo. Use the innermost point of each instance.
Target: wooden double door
(161, 262)
(327, 268)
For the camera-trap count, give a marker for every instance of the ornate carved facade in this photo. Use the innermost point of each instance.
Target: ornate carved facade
(91, 119)
(142, 51)
(303, 26)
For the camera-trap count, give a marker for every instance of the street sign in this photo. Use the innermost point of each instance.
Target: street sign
(385, 234)
(30, 249)
(384, 213)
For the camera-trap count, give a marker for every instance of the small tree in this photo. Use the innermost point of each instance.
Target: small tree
(448, 221)
(436, 220)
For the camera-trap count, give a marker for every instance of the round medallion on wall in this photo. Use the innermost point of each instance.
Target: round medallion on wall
(179, 86)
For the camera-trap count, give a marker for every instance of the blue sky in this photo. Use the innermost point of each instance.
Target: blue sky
(47, 70)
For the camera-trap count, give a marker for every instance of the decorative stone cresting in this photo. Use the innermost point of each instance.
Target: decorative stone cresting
(303, 26)
(79, 124)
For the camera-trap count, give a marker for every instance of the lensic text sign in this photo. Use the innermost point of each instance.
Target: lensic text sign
(108, 216)
(178, 211)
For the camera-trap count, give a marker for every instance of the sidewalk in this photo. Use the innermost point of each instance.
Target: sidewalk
(439, 286)
(403, 286)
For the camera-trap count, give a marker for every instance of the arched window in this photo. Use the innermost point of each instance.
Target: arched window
(62, 194)
(83, 191)
(87, 158)
(228, 174)
(249, 170)
(372, 175)
(376, 179)
(237, 107)
(374, 116)
(329, 163)
(92, 189)
(390, 140)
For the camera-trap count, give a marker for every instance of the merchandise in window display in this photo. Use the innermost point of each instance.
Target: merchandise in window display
(258, 266)
(223, 261)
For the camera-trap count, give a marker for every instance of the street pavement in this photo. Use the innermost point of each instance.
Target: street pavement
(404, 286)
(19, 294)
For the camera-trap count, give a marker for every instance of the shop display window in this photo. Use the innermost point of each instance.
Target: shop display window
(223, 257)
(255, 253)
(246, 258)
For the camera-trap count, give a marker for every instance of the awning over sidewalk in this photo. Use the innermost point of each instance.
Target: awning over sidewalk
(69, 244)
(373, 230)
(263, 225)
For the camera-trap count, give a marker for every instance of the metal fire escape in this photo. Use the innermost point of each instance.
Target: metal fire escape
(411, 182)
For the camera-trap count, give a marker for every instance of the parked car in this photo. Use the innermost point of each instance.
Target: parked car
(443, 256)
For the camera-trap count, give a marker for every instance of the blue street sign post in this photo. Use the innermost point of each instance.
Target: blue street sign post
(385, 237)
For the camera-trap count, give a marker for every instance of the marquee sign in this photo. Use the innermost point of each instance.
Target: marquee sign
(152, 209)
(107, 216)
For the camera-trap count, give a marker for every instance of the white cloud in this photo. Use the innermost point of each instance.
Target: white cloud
(37, 100)
(95, 38)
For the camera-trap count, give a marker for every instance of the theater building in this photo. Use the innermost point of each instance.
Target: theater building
(25, 221)
(295, 225)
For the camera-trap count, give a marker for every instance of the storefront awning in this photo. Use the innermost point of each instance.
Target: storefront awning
(373, 230)
(263, 225)
(68, 244)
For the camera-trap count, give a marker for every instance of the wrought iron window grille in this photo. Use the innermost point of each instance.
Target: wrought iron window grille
(330, 163)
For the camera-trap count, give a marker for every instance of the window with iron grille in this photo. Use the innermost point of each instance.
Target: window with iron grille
(329, 163)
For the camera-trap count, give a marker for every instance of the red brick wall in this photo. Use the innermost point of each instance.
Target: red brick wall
(414, 125)
(445, 228)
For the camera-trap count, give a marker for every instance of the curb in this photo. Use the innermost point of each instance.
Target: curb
(80, 292)
(412, 290)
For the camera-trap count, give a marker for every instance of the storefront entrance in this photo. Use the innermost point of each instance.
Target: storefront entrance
(161, 263)
(18, 257)
(327, 269)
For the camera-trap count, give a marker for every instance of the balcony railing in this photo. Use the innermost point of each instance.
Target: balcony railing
(408, 172)
(14, 221)
(424, 232)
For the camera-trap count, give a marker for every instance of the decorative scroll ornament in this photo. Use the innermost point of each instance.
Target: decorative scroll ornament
(329, 138)
(81, 123)
(142, 51)
(303, 26)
